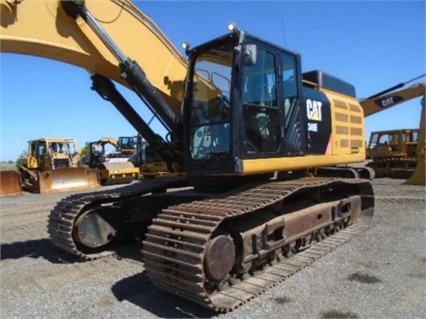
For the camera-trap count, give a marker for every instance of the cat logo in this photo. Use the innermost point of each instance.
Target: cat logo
(389, 101)
(313, 109)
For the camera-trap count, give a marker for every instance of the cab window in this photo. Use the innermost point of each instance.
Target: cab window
(261, 113)
(289, 86)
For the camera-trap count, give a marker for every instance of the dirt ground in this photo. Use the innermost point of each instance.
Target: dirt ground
(40, 281)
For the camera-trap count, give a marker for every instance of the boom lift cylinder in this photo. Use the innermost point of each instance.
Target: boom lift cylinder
(131, 71)
(395, 87)
(107, 91)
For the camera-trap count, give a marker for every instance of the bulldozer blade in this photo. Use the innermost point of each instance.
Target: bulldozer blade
(67, 179)
(10, 183)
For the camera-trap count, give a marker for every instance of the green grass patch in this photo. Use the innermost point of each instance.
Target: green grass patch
(7, 167)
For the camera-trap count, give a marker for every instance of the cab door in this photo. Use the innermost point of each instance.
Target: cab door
(273, 119)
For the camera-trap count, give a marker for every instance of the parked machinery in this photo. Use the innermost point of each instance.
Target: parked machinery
(393, 153)
(150, 164)
(48, 167)
(397, 153)
(114, 166)
(265, 149)
(126, 145)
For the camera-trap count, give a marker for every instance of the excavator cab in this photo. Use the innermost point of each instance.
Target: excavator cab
(242, 96)
(45, 154)
(127, 144)
(249, 111)
(50, 153)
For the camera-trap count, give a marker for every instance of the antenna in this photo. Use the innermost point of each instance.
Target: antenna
(283, 29)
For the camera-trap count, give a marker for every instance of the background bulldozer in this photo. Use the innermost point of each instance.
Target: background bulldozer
(113, 166)
(49, 167)
(393, 153)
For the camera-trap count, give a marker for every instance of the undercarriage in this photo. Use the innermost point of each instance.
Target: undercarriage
(221, 253)
(220, 250)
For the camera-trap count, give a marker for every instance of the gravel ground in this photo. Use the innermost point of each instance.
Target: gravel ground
(377, 274)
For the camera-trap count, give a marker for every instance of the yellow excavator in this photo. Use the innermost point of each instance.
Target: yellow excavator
(266, 151)
(113, 167)
(48, 167)
(398, 153)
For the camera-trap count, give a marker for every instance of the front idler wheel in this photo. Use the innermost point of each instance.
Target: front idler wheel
(219, 258)
(95, 228)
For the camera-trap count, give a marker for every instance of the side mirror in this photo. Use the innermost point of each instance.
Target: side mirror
(250, 55)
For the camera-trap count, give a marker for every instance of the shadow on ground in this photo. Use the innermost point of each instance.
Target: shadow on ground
(139, 290)
(38, 248)
(44, 248)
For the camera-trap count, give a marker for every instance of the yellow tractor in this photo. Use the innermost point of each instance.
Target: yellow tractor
(48, 167)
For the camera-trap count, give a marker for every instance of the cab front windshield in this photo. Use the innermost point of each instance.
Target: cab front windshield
(210, 109)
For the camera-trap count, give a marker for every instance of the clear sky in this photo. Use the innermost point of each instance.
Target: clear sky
(371, 44)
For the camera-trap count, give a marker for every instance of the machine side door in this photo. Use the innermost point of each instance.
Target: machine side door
(272, 116)
(293, 114)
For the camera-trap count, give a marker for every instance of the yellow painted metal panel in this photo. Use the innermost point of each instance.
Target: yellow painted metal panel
(300, 162)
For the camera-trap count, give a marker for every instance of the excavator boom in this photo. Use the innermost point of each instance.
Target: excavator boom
(383, 102)
(55, 35)
(88, 34)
